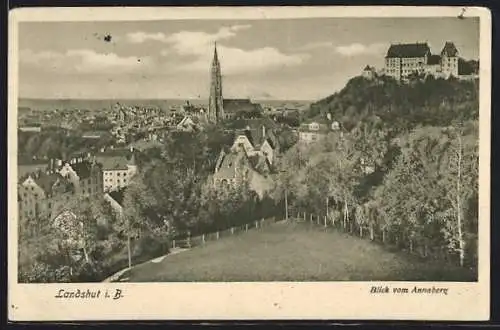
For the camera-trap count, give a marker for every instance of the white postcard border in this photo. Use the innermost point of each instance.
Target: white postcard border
(259, 300)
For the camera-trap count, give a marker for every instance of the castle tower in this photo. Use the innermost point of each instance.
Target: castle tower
(449, 59)
(215, 101)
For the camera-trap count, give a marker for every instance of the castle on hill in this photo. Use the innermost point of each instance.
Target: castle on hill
(403, 60)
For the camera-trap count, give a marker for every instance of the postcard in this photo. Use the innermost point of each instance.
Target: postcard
(249, 163)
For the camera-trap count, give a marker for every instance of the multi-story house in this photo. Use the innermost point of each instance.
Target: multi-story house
(317, 129)
(117, 171)
(86, 175)
(43, 194)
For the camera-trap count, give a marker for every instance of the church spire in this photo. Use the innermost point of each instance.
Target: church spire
(215, 103)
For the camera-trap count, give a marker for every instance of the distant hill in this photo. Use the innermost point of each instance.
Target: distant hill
(421, 102)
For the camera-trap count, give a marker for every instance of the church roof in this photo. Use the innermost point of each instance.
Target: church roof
(239, 105)
(408, 50)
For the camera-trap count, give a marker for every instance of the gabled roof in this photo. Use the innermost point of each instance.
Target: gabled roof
(408, 50)
(24, 169)
(449, 49)
(256, 133)
(82, 169)
(49, 181)
(434, 60)
(230, 163)
(260, 163)
(110, 163)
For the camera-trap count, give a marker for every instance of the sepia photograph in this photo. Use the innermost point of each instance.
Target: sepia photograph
(233, 149)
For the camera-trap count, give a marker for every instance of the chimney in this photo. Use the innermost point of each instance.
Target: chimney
(59, 162)
(263, 131)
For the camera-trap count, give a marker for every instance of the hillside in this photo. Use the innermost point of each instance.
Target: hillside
(428, 101)
(292, 252)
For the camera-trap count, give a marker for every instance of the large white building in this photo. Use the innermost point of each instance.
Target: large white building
(403, 60)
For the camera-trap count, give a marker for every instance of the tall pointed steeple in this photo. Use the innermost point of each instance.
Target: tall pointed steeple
(216, 57)
(215, 102)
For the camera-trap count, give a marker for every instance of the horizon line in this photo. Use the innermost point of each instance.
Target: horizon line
(153, 98)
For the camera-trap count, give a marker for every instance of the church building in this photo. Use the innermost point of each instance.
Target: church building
(219, 108)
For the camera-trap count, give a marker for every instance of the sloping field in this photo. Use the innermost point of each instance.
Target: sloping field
(293, 252)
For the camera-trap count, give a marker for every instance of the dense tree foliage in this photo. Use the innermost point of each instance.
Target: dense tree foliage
(426, 101)
(390, 172)
(422, 197)
(57, 144)
(74, 246)
(172, 196)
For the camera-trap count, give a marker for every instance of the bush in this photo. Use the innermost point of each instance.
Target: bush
(150, 246)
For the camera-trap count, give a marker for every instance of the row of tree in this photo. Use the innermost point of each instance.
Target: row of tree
(419, 187)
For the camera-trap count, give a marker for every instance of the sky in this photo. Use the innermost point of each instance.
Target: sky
(288, 59)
